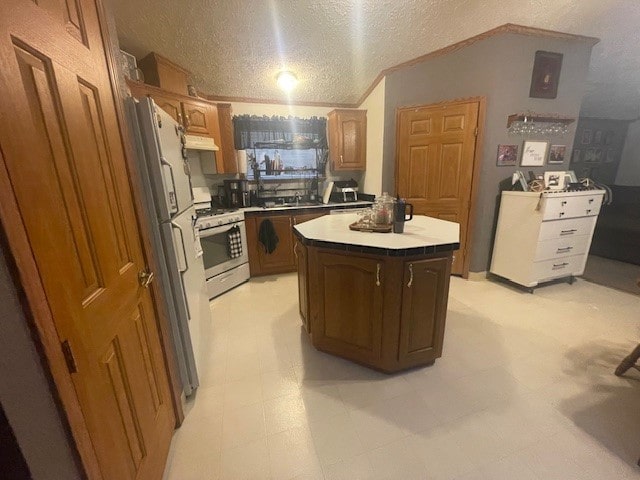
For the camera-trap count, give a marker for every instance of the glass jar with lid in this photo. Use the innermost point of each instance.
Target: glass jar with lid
(383, 209)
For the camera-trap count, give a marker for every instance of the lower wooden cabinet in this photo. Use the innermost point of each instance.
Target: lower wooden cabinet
(300, 252)
(384, 312)
(423, 311)
(283, 258)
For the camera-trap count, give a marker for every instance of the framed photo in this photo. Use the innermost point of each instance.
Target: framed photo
(534, 153)
(597, 137)
(608, 138)
(576, 155)
(593, 155)
(611, 156)
(546, 75)
(586, 137)
(556, 153)
(507, 155)
(554, 180)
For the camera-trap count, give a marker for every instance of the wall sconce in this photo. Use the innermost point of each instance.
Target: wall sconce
(538, 124)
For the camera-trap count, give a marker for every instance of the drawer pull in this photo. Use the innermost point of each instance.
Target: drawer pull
(561, 214)
(564, 249)
(591, 200)
(557, 266)
(588, 211)
(563, 203)
(378, 275)
(568, 232)
(410, 275)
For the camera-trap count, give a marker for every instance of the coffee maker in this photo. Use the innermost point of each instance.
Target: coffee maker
(237, 193)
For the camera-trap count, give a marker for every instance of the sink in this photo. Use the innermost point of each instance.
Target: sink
(294, 205)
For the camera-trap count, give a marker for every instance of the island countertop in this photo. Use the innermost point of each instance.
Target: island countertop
(421, 235)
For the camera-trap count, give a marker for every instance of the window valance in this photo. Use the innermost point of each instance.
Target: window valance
(252, 131)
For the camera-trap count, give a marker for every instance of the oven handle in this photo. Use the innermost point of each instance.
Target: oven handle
(184, 250)
(207, 232)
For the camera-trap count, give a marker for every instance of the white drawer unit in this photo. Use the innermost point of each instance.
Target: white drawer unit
(544, 236)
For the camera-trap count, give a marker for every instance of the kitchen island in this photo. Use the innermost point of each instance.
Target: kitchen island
(378, 299)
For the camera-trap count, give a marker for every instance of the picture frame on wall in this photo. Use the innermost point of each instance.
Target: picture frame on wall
(545, 76)
(576, 155)
(557, 153)
(593, 155)
(507, 155)
(534, 153)
(586, 137)
(597, 137)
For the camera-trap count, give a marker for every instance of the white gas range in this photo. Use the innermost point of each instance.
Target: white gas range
(224, 246)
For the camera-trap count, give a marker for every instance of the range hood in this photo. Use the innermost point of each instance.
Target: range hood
(195, 142)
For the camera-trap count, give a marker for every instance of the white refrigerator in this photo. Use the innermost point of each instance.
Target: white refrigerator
(164, 172)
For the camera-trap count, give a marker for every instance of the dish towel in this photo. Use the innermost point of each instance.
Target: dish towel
(234, 242)
(267, 235)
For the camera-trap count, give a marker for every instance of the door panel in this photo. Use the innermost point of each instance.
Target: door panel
(423, 310)
(345, 324)
(63, 157)
(435, 157)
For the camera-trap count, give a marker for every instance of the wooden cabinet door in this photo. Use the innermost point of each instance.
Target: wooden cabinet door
(281, 259)
(303, 283)
(227, 147)
(78, 224)
(305, 217)
(424, 306)
(169, 105)
(198, 118)
(348, 139)
(350, 300)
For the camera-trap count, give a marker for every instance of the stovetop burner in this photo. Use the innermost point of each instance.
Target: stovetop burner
(208, 212)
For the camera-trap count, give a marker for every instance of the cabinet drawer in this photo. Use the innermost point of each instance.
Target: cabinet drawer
(561, 247)
(568, 207)
(572, 227)
(557, 268)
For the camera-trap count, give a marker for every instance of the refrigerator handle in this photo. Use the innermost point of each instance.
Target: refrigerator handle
(173, 201)
(182, 261)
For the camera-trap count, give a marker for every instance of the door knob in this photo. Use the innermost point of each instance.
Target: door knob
(145, 278)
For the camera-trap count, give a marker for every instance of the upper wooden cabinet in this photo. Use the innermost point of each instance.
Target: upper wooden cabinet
(198, 117)
(165, 74)
(347, 130)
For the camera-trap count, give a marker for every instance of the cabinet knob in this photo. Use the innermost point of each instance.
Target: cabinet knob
(341, 160)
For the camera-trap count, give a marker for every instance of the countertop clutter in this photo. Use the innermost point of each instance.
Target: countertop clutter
(400, 281)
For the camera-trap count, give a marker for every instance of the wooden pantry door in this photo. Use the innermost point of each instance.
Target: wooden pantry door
(435, 152)
(64, 183)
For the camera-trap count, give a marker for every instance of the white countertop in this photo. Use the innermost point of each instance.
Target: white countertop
(422, 231)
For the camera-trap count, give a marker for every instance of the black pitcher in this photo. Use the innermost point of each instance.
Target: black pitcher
(400, 214)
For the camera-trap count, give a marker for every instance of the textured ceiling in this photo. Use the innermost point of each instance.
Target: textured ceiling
(338, 47)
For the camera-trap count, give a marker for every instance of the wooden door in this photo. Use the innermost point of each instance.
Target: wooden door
(348, 139)
(434, 163)
(62, 154)
(424, 310)
(350, 301)
(198, 118)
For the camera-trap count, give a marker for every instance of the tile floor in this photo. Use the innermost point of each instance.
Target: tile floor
(524, 391)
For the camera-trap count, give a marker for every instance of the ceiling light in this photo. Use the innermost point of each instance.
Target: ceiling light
(287, 80)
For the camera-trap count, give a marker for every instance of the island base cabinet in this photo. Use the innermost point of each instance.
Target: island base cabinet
(384, 312)
(424, 310)
(349, 295)
(300, 252)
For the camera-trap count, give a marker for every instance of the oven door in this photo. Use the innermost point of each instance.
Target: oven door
(215, 249)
